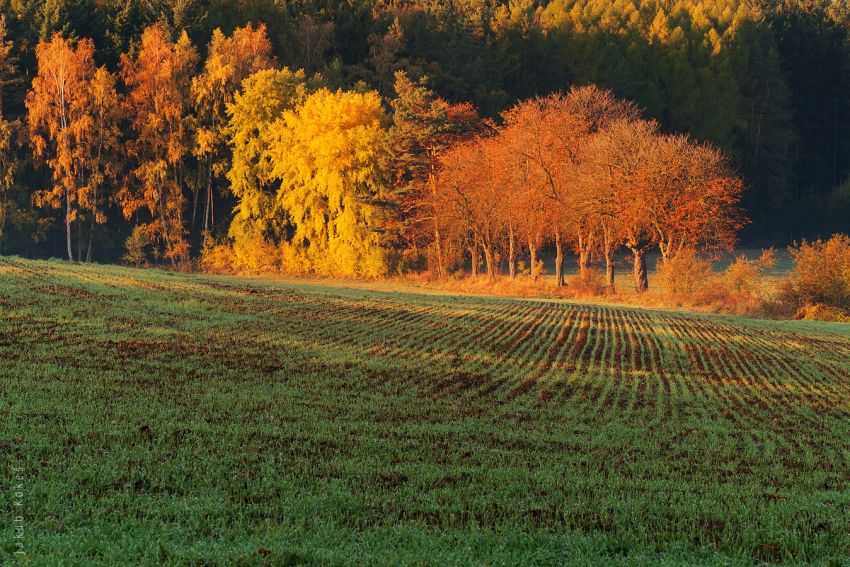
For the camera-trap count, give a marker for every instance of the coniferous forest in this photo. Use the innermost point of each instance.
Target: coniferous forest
(156, 130)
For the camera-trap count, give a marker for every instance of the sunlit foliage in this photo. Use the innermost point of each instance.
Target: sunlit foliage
(158, 77)
(71, 116)
(325, 153)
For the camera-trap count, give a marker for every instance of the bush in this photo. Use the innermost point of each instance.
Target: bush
(744, 278)
(685, 274)
(245, 251)
(821, 275)
(135, 246)
(592, 283)
(217, 257)
(821, 312)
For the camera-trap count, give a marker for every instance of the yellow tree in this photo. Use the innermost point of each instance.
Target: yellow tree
(59, 119)
(257, 221)
(158, 81)
(229, 61)
(326, 155)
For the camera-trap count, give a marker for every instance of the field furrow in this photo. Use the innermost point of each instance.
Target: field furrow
(611, 433)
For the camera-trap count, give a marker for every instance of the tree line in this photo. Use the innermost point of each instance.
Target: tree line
(147, 153)
(325, 184)
(580, 170)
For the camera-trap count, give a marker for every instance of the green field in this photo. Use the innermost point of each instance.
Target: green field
(179, 419)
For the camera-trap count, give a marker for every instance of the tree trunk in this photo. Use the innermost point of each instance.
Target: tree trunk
(91, 237)
(68, 224)
(439, 249)
(666, 248)
(609, 269)
(205, 230)
(532, 251)
(583, 257)
(511, 253)
(3, 206)
(490, 260)
(212, 208)
(639, 269)
(91, 229)
(165, 224)
(194, 209)
(559, 260)
(473, 253)
(79, 241)
(441, 272)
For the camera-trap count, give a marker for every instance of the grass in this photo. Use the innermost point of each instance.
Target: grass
(177, 419)
(762, 304)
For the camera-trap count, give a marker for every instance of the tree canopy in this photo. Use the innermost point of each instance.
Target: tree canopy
(764, 82)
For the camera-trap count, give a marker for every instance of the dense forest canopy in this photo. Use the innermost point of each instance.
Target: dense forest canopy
(765, 81)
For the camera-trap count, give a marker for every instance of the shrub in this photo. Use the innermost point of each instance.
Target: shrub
(821, 274)
(135, 247)
(217, 257)
(252, 251)
(744, 278)
(293, 259)
(821, 312)
(246, 251)
(685, 274)
(592, 283)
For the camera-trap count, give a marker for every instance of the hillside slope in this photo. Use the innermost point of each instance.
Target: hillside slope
(177, 419)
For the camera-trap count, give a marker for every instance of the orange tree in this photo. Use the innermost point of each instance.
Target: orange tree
(59, 120)
(157, 106)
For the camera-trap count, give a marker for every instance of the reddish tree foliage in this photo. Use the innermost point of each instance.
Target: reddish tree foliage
(583, 168)
(157, 104)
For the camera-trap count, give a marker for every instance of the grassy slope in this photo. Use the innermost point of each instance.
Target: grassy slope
(169, 418)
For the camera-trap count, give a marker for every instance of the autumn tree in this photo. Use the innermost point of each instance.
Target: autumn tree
(601, 199)
(473, 184)
(697, 206)
(589, 211)
(532, 158)
(621, 170)
(326, 155)
(230, 59)
(101, 159)
(530, 134)
(550, 133)
(59, 120)
(423, 127)
(9, 164)
(158, 80)
(258, 222)
(647, 190)
(10, 206)
(523, 206)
